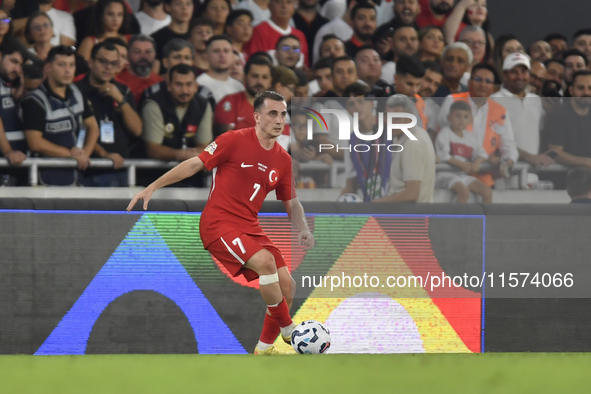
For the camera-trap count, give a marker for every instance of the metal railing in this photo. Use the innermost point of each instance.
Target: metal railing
(132, 165)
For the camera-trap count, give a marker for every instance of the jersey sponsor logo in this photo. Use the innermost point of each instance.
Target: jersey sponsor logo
(7, 102)
(211, 148)
(227, 106)
(56, 127)
(273, 176)
(246, 165)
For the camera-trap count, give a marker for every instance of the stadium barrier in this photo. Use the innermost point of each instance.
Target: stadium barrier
(83, 277)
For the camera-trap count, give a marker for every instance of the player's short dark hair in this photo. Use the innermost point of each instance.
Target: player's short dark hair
(580, 73)
(581, 32)
(434, 66)
(60, 50)
(285, 38)
(32, 71)
(555, 36)
(199, 22)
(325, 62)
(356, 89)
(260, 98)
(341, 59)
(175, 45)
(406, 65)
(235, 14)
(116, 41)
(258, 61)
(578, 182)
(460, 106)
(362, 5)
(107, 46)
(574, 52)
(182, 69)
(489, 67)
(554, 60)
(218, 37)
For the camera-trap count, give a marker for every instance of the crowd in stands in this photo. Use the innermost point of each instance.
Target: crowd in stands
(161, 79)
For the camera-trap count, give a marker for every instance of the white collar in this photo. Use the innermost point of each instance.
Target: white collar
(278, 29)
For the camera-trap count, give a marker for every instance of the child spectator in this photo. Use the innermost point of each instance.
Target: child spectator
(459, 147)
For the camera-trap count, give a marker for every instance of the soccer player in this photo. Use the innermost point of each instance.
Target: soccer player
(247, 164)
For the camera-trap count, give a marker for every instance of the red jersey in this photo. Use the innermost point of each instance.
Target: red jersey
(136, 84)
(427, 18)
(243, 174)
(266, 34)
(234, 109)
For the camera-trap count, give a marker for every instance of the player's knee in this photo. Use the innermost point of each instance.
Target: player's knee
(266, 264)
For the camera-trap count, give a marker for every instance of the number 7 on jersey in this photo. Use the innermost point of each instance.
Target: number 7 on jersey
(257, 187)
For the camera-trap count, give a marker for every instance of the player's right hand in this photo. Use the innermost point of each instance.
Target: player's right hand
(145, 195)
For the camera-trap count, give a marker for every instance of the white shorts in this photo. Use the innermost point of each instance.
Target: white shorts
(446, 180)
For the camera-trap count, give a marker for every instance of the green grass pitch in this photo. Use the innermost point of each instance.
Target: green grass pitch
(366, 374)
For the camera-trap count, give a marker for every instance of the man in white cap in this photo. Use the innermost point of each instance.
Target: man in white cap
(525, 109)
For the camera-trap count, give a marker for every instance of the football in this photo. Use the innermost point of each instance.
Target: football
(350, 197)
(310, 337)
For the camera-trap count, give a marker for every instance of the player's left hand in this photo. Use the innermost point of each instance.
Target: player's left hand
(307, 239)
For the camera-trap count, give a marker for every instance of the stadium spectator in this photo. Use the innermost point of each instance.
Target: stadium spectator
(408, 79)
(217, 78)
(412, 173)
(578, 185)
(6, 25)
(369, 68)
(121, 46)
(63, 22)
(239, 29)
(308, 20)
(558, 44)
(236, 68)
(304, 150)
(235, 111)
(455, 61)
(525, 109)
(39, 33)
(332, 46)
(459, 147)
(115, 112)
(284, 82)
(431, 43)
(180, 12)
(111, 20)
(267, 33)
(434, 12)
(139, 75)
(429, 85)
(405, 41)
(555, 71)
(201, 31)
(258, 8)
(85, 17)
(504, 46)
(540, 51)
(177, 122)
(13, 144)
(364, 17)
(152, 17)
(405, 13)
(341, 27)
(467, 13)
(344, 73)
(574, 61)
(568, 124)
(217, 12)
(491, 123)
(537, 77)
(475, 38)
(303, 87)
(323, 74)
(288, 52)
(33, 77)
(51, 119)
(582, 42)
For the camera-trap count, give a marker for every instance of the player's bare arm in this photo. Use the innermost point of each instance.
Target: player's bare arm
(182, 171)
(296, 214)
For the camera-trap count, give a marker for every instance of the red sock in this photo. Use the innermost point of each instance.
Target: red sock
(281, 313)
(270, 330)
